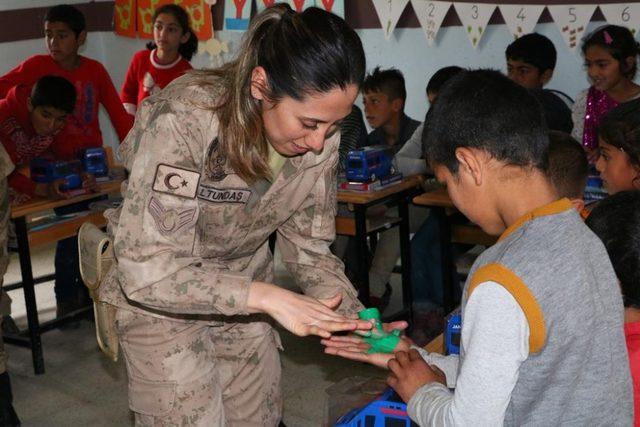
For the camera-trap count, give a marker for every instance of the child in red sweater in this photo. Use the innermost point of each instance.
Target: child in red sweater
(65, 32)
(616, 220)
(29, 119)
(167, 56)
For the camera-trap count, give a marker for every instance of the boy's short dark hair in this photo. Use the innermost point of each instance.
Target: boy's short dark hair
(54, 91)
(568, 168)
(440, 77)
(616, 221)
(534, 49)
(484, 109)
(68, 15)
(389, 81)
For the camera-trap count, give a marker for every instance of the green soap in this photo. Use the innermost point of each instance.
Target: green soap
(379, 340)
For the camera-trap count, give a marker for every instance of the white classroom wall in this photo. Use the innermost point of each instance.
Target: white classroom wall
(407, 50)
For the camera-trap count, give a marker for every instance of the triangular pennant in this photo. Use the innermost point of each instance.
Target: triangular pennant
(521, 19)
(389, 12)
(623, 14)
(474, 18)
(124, 18)
(300, 5)
(572, 20)
(430, 14)
(334, 6)
(263, 4)
(237, 14)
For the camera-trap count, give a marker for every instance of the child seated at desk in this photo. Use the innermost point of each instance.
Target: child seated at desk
(542, 331)
(616, 221)
(29, 120)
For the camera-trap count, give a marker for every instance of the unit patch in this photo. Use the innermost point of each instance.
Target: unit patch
(228, 195)
(170, 220)
(176, 181)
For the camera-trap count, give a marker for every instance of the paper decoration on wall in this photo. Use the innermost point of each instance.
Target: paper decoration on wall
(389, 12)
(623, 14)
(263, 4)
(213, 47)
(572, 21)
(199, 16)
(334, 6)
(430, 14)
(124, 18)
(237, 14)
(474, 18)
(521, 19)
(300, 5)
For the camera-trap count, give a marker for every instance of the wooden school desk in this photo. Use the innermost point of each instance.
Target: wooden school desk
(359, 227)
(26, 240)
(440, 203)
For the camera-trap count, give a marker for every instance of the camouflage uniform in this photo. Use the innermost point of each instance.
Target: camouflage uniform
(6, 167)
(189, 239)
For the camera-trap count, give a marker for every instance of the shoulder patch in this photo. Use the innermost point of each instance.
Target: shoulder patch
(176, 181)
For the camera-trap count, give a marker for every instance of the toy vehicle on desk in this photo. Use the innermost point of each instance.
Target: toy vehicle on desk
(47, 170)
(388, 410)
(369, 163)
(94, 161)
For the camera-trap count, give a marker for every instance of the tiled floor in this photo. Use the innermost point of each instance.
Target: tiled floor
(83, 388)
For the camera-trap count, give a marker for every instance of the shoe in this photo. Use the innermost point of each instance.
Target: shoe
(9, 326)
(8, 416)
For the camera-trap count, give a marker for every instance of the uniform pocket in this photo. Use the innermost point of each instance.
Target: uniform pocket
(154, 398)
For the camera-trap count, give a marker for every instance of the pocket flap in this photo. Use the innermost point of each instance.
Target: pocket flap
(154, 398)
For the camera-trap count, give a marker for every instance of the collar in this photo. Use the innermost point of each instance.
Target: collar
(551, 209)
(156, 64)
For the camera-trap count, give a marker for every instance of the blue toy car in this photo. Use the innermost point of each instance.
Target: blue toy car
(94, 161)
(388, 410)
(47, 170)
(369, 164)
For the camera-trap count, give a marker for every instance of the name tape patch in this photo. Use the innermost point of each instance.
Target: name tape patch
(229, 195)
(176, 181)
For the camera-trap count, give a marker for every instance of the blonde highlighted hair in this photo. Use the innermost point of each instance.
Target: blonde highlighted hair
(301, 53)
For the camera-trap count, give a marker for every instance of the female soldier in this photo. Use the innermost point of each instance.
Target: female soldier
(219, 160)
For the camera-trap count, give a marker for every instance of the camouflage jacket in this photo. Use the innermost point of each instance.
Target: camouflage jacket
(191, 235)
(6, 165)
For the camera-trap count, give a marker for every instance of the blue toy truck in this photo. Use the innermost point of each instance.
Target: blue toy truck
(387, 410)
(94, 161)
(369, 164)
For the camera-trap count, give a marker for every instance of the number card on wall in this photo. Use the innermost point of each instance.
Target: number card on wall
(334, 6)
(474, 17)
(124, 18)
(572, 21)
(521, 19)
(237, 14)
(430, 14)
(389, 12)
(623, 14)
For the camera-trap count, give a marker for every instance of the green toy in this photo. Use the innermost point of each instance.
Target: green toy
(379, 340)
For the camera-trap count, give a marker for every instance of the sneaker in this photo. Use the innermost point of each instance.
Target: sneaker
(9, 326)
(382, 302)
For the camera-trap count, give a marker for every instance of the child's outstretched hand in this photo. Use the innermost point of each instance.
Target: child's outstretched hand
(409, 372)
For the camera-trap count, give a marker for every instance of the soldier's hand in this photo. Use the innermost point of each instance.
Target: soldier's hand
(300, 314)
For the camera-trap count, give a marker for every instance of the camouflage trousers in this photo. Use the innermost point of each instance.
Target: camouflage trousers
(200, 375)
(5, 301)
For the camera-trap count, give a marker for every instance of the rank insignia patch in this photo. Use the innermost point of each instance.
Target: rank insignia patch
(171, 220)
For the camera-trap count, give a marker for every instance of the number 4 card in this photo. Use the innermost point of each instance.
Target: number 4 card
(521, 19)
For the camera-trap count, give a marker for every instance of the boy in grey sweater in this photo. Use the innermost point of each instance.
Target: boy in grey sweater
(542, 336)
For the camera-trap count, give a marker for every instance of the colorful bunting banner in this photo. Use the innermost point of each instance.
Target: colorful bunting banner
(334, 6)
(389, 12)
(430, 14)
(124, 19)
(474, 18)
(521, 19)
(623, 14)
(572, 21)
(237, 15)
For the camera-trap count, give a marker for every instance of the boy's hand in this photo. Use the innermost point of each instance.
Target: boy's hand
(409, 372)
(89, 182)
(353, 347)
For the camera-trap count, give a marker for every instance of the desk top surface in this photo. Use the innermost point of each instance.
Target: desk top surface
(438, 197)
(38, 204)
(363, 197)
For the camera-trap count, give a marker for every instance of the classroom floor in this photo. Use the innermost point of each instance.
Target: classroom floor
(81, 387)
